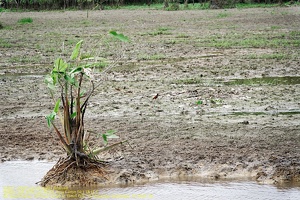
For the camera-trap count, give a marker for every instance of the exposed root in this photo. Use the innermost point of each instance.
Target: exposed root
(68, 173)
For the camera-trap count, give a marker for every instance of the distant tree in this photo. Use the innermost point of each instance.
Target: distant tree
(166, 3)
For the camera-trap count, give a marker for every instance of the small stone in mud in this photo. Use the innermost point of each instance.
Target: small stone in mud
(29, 158)
(244, 122)
(215, 176)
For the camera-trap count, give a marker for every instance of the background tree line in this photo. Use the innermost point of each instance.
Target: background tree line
(99, 4)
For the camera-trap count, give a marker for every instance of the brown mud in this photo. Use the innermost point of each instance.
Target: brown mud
(198, 125)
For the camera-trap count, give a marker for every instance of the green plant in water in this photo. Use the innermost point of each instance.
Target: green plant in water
(71, 85)
(27, 20)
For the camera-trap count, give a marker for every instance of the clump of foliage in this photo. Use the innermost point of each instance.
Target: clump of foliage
(71, 85)
(26, 20)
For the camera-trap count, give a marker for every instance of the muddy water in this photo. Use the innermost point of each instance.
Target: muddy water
(18, 178)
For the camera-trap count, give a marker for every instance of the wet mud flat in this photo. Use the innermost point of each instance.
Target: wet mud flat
(228, 90)
(15, 187)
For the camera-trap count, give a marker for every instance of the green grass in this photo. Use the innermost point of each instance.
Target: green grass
(159, 31)
(182, 35)
(261, 40)
(255, 5)
(25, 59)
(295, 34)
(277, 56)
(275, 27)
(26, 20)
(5, 44)
(223, 15)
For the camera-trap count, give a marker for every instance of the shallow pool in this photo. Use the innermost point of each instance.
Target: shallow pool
(18, 178)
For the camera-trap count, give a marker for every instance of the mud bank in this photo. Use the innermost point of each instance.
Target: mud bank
(198, 126)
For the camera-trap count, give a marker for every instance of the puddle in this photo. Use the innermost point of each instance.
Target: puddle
(287, 80)
(18, 178)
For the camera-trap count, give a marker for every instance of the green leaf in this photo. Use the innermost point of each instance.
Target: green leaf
(50, 118)
(73, 115)
(87, 58)
(111, 134)
(104, 139)
(56, 107)
(119, 36)
(76, 50)
(48, 121)
(60, 66)
(82, 93)
(50, 82)
(76, 70)
(69, 79)
(48, 79)
(199, 102)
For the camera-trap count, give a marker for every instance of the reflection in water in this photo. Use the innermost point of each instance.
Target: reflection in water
(17, 181)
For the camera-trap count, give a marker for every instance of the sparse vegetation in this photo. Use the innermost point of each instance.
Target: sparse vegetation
(159, 31)
(26, 20)
(5, 44)
(277, 56)
(223, 15)
(151, 57)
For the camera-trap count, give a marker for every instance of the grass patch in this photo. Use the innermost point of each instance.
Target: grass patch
(182, 35)
(255, 5)
(233, 40)
(277, 56)
(295, 34)
(26, 20)
(159, 31)
(223, 15)
(129, 67)
(25, 59)
(275, 27)
(189, 81)
(5, 44)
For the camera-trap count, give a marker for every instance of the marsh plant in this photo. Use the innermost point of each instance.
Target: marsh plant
(71, 84)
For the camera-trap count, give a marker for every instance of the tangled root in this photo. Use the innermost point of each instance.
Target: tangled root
(66, 172)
